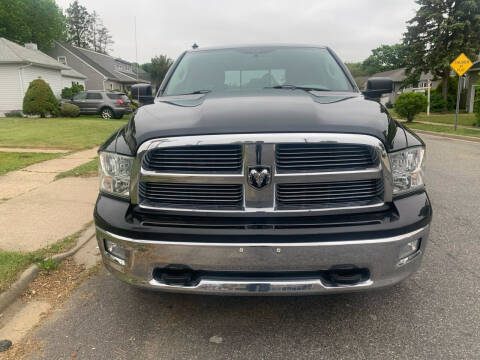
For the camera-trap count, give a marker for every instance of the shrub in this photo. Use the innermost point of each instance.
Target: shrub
(69, 110)
(76, 88)
(476, 106)
(410, 104)
(40, 100)
(452, 89)
(437, 104)
(70, 92)
(67, 93)
(17, 114)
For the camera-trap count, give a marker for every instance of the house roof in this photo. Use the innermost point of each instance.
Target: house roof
(13, 53)
(73, 73)
(105, 64)
(398, 75)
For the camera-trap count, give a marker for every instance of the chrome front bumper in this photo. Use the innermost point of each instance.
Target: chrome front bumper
(380, 256)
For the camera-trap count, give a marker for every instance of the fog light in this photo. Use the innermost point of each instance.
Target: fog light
(409, 251)
(117, 251)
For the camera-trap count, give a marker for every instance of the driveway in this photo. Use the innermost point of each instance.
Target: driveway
(435, 314)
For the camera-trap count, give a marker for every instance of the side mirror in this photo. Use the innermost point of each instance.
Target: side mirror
(142, 93)
(378, 86)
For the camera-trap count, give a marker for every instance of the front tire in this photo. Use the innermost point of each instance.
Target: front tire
(106, 113)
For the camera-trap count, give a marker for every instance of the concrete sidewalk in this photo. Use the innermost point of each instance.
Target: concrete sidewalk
(33, 150)
(16, 183)
(37, 211)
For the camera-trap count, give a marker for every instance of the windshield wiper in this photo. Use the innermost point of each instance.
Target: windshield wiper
(295, 87)
(196, 92)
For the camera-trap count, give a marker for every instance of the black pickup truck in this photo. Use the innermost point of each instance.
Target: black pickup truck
(263, 170)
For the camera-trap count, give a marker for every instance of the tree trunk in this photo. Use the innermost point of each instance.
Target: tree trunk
(445, 90)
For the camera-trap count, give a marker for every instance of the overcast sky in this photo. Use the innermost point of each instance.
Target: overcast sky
(351, 27)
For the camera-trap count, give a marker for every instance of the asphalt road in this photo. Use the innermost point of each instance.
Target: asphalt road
(433, 315)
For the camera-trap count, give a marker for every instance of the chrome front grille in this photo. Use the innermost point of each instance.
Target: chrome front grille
(330, 194)
(192, 195)
(323, 157)
(195, 159)
(262, 173)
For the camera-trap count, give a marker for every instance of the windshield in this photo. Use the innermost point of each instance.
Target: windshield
(256, 68)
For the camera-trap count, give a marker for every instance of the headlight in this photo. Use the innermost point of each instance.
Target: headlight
(407, 169)
(114, 172)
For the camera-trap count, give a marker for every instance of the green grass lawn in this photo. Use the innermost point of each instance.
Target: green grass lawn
(443, 129)
(447, 118)
(88, 169)
(12, 263)
(10, 161)
(60, 133)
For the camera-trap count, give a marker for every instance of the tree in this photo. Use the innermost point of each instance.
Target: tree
(356, 69)
(386, 57)
(39, 99)
(410, 104)
(79, 25)
(158, 68)
(37, 21)
(104, 39)
(438, 33)
(383, 58)
(96, 22)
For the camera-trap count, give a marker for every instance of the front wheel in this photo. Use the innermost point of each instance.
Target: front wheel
(106, 113)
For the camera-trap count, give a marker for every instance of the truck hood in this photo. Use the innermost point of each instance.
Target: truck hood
(265, 111)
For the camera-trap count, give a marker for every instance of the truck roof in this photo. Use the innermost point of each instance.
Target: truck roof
(246, 46)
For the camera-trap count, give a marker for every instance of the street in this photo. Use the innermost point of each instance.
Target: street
(435, 314)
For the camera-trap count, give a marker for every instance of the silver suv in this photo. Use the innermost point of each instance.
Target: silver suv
(107, 104)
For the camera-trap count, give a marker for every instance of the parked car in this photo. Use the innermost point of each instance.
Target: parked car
(263, 170)
(105, 103)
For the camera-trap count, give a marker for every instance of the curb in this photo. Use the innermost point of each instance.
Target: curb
(449, 136)
(19, 286)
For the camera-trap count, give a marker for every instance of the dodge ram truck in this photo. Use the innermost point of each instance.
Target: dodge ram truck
(263, 170)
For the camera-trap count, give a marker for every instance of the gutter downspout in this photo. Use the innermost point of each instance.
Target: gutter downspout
(20, 75)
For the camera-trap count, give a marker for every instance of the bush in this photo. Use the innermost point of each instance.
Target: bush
(476, 106)
(410, 104)
(69, 110)
(40, 100)
(70, 92)
(67, 93)
(437, 104)
(17, 114)
(452, 89)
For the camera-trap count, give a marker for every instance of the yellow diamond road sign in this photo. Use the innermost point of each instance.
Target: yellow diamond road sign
(461, 64)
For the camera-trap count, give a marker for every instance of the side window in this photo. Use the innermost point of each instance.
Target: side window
(80, 96)
(94, 96)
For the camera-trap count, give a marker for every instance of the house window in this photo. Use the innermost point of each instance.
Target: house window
(62, 59)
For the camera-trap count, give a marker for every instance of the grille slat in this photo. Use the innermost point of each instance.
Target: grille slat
(206, 177)
(337, 193)
(323, 157)
(186, 195)
(195, 159)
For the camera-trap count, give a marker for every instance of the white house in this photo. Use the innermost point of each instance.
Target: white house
(19, 65)
(71, 76)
